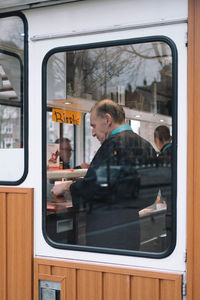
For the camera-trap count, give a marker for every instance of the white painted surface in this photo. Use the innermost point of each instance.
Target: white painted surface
(92, 14)
(12, 164)
(87, 14)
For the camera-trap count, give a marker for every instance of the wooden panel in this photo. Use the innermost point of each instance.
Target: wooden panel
(42, 269)
(89, 285)
(116, 286)
(36, 280)
(3, 245)
(19, 245)
(144, 288)
(70, 275)
(108, 269)
(193, 169)
(166, 289)
(99, 282)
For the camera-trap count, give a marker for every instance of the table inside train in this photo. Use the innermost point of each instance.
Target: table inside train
(59, 174)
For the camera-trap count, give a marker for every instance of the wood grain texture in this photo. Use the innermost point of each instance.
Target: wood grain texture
(169, 290)
(43, 269)
(116, 286)
(143, 288)
(19, 245)
(193, 159)
(99, 282)
(16, 250)
(3, 242)
(70, 282)
(89, 285)
(108, 269)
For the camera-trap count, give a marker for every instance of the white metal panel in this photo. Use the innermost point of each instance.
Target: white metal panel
(94, 15)
(106, 13)
(12, 164)
(11, 5)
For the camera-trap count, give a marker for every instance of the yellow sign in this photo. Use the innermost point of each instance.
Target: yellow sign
(66, 116)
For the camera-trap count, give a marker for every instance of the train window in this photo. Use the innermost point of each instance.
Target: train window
(125, 204)
(13, 108)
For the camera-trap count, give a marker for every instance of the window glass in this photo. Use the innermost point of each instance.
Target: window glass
(12, 108)
(91, 145)
(56, 131)
(123, 201)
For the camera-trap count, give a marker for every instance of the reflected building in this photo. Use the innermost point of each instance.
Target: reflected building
(155, 98)
(10, 116)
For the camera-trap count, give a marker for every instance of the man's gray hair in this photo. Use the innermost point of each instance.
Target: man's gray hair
(108, 106)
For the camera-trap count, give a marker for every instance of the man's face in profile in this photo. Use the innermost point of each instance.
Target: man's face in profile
(99, 126)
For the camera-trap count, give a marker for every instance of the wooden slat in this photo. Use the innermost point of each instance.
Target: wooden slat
(97, 282)
(70, 275)
(43, 269)
(3, 245)
(144, 288)
(193, 168)
(168, 290)
(19, 245)
(36, 280)
(89, 285)
(116, 286)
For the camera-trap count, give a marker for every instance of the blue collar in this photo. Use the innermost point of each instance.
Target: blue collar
(166, 147)
(121, 128)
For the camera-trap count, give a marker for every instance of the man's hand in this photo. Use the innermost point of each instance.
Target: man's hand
(61, 188)
(67, 186)
(85, 166)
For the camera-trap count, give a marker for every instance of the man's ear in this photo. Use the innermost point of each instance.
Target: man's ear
(156, 140)
(157, 143)
(108, 119)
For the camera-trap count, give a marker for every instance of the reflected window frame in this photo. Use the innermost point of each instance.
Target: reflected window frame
(23, 104)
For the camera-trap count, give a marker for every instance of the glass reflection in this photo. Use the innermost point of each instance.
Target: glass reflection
(11, 82)
(134, 211)
(12, 116)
